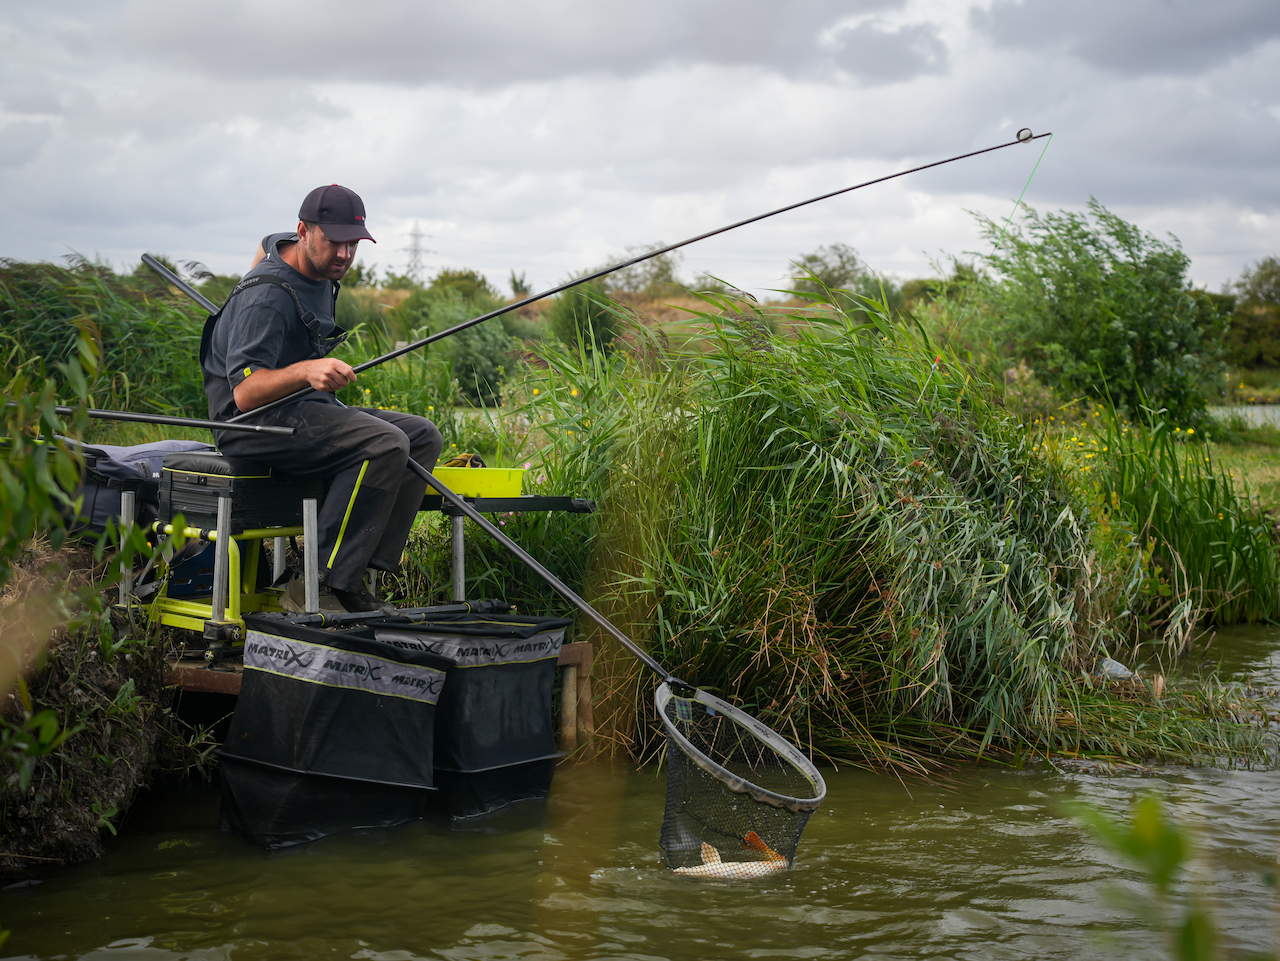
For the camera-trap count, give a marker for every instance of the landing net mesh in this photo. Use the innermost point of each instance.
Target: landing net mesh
(738, 794)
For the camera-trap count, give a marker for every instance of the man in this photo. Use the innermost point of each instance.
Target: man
(271, 340)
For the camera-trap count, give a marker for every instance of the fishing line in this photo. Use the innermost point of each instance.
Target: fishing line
(1023, 136)
(955, 328)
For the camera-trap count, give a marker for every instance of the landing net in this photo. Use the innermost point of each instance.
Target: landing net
(738, 794)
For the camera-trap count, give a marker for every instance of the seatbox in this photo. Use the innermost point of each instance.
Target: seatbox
(191, 484)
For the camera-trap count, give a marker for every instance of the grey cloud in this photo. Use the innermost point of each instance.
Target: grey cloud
(32, 100)
(876, 54)
(1134, 37)
(21, 141)
(483, 43)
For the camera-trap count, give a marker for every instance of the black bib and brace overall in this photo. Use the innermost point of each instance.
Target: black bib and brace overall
(274, 318)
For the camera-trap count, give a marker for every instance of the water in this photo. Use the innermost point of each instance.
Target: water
(986, 867)
(1255, 415)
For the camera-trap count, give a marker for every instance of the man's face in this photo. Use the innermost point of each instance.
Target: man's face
(323, 256)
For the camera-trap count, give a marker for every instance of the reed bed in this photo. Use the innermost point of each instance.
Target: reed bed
(834, 529)
(147, 339)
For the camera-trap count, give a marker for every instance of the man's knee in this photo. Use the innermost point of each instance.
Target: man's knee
(428, 445)
(425, 440)
(387, 446)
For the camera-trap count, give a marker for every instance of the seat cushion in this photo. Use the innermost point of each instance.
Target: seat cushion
(214, 462)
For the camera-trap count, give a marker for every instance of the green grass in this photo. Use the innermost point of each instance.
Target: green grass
(1254, 460)
(859, 547)
(148, 340)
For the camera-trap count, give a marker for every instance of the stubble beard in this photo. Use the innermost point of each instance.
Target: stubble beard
(326, 269)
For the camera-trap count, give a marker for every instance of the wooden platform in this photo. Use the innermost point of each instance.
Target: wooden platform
(577, 723)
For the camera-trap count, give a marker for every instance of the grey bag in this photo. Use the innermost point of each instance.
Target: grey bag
(109, 470)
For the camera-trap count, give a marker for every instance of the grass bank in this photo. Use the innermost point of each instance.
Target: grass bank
(91, 722)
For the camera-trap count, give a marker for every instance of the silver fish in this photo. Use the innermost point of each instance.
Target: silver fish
(713, 867)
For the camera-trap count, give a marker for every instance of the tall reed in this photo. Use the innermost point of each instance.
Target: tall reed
(834, 530)
(1208, 534)
(148, 339)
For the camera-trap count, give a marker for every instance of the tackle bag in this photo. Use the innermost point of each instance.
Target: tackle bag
(109, 470)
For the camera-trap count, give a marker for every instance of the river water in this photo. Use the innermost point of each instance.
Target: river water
(988, 866)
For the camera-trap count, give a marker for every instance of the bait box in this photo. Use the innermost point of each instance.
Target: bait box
(481, 481)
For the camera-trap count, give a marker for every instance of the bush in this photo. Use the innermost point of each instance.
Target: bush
(836, 274)
(1101, 309)
(650, 279)
(1254, 337)
(479, 355)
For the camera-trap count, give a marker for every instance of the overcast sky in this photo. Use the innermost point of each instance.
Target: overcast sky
(546, 136)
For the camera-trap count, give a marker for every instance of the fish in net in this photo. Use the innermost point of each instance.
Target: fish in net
(738, 794)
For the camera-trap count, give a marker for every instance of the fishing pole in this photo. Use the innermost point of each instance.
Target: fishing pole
(1023, 136)
(181, 284)
(168, 420)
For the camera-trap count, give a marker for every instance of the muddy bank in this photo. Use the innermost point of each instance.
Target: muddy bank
(95, 723)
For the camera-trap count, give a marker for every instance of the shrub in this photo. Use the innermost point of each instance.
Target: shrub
(1102, 309)
(837, 273)
(1254, 337)
(650, 279)
(479, 355)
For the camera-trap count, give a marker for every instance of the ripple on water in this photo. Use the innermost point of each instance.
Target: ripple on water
(988, 867)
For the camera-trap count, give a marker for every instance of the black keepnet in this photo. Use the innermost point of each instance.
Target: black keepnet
(331, 731)
(495, 710)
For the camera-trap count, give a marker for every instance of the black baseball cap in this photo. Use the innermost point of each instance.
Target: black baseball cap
(338, 211)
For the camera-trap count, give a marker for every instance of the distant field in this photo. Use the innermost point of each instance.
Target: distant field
(1257, 461)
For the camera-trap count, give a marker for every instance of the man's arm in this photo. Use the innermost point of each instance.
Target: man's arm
(264, 386)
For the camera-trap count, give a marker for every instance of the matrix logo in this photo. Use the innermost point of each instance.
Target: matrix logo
(368, 669)
(478, 651)
(430, 685)
(287, 656)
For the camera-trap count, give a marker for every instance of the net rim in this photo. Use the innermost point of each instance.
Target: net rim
(766, 734)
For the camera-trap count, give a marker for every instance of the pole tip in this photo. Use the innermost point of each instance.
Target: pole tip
(1024, 135)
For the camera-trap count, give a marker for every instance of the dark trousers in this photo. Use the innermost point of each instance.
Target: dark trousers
(372, 498)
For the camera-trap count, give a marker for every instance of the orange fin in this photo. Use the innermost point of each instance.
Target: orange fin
(753, 841)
